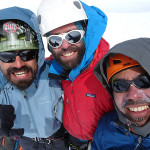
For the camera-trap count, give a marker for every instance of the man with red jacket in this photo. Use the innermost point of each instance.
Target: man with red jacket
(73, 32)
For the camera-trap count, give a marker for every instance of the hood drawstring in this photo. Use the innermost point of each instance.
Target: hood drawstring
(25, 95)
(139, 138)
(129, 123)
(129, 128)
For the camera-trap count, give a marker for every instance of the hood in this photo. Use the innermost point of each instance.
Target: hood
(134, 49)
(96, 26)
(30, 18)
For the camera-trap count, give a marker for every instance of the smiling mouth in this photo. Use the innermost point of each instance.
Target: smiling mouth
(68, 54)
(20, 74)
(138, 109)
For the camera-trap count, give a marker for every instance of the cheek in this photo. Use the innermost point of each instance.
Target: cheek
(32, 64)
(4, 67)
(35, 65)
(118, 97)
(55, 52)
(147, 92)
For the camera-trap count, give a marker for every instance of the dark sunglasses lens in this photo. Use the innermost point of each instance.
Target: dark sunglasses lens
(142, 82)
(120, 86)
(28, 55)
(7, 57)
(73, 37)
(55, 41)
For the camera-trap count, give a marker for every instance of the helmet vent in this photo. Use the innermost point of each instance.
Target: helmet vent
(2, 38)
(77, 4)
(116, 61)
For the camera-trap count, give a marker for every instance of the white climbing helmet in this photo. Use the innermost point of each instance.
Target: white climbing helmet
(56, 13)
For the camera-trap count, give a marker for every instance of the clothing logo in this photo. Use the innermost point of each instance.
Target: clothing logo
(9, 27)
(90, 95)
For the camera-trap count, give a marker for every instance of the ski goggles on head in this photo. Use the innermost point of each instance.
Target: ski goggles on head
(25, 55)
(142, 82)
(72, 37)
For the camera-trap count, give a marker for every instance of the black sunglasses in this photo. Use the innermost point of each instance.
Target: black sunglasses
(142, 82)
(72, 37)
(25, 55)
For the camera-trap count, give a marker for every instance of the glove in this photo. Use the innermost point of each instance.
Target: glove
(29, 144)
(7, 118)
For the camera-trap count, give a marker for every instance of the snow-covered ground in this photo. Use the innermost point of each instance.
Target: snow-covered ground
(127, 19)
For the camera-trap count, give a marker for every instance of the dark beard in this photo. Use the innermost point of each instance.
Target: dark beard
(21, 84)
(72, 63)
(138, 102)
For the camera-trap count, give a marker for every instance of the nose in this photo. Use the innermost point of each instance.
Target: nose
(134, 93)
(18, 62)
(65, 44)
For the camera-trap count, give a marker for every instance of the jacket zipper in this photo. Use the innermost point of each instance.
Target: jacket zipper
(139, 143)
(29, 107)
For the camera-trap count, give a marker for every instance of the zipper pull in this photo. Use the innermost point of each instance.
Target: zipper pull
(71, 87)
(139, 142)
(25, 95)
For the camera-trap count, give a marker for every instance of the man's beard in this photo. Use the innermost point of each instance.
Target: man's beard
(138, 102)
(24, 83)
(71, 63)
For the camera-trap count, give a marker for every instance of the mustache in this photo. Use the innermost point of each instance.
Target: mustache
(14, 69)
(71, 48)
(133, 102)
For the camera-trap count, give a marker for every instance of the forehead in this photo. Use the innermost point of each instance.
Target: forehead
(64, 29)
(130, 73)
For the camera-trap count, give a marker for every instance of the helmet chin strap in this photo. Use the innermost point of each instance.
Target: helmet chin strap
(141, 131)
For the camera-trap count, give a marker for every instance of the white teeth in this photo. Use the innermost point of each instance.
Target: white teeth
(20, 73)
(141, 108)
(68, 54)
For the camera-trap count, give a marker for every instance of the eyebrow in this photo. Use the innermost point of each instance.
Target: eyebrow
(142, 74)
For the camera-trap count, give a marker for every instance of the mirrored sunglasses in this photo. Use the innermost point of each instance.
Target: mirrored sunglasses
(25, 55)
(71, 37)
(142, 82)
